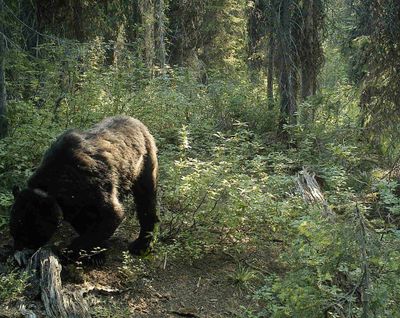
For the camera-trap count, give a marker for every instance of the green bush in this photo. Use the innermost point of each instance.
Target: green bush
(12, 285)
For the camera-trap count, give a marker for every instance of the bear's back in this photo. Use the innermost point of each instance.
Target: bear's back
(121, 143)
(112, 150)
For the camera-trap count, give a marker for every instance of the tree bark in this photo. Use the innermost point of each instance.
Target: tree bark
(159, 8)
(29, 17)
(287, 74)
(59, 301)
(307, 69)
(312, 193)
(146, 8)
(253, 34)
(270, 70)
(3, 93)
(78, 25)
(365, 283)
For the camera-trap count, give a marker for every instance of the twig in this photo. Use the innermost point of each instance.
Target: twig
(258, 269)
(106, 291)
(263, 271)
(203, 199)
(365, 268)
(184, 314)
(165, 261)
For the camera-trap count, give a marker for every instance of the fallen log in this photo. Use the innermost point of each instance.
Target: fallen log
(59, 302)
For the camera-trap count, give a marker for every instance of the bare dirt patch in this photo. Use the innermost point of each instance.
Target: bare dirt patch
(156, 286)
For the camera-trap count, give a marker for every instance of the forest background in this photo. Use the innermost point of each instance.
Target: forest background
(243, 97)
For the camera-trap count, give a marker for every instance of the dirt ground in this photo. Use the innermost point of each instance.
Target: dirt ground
(160, 286)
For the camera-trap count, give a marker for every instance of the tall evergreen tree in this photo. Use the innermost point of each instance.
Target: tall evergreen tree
(285, 34)
(310, 48)
(376, 67)
(286, 64)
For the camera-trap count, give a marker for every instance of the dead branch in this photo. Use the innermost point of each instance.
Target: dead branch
(365, 281)
(184, 313)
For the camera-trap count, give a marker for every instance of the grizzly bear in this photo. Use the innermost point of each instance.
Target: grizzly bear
(82, 178)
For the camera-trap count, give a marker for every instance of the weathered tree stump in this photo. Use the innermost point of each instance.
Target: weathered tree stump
(311, 191)
(59, 301)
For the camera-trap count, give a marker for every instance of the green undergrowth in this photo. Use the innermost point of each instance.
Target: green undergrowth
(12, 284)
(229, 182)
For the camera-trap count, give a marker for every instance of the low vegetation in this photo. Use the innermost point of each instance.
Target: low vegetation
(229, 171)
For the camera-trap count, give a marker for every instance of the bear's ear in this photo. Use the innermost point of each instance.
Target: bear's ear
(15, 191)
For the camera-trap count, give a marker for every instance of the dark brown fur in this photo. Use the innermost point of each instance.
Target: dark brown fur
(84, 175)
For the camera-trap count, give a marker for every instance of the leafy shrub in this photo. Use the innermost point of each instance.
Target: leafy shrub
(12, 285)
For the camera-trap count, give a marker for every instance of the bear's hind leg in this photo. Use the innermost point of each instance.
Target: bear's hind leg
(109, 216)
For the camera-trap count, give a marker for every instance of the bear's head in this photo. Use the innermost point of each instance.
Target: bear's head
(34, 218)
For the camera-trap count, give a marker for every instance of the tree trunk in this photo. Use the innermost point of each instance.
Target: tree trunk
(110, 37)
(77, 12)
(307, 67)
(365, 281)
(306, 87)
(253, 34)
(287, 74)
(29, 17)
(146, 8)
(159, 33)
(3, 95)
(270, 70)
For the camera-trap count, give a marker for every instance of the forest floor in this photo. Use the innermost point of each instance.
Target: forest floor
(218, 284)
